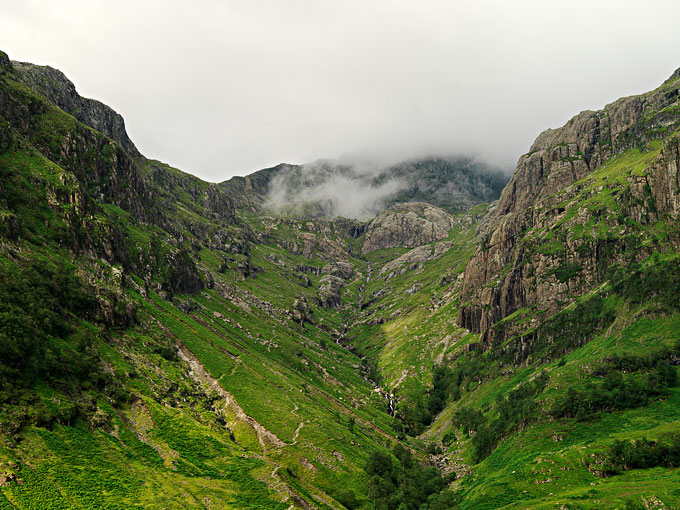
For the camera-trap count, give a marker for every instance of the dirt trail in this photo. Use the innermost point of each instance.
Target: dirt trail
(266, 437)
(302, 422)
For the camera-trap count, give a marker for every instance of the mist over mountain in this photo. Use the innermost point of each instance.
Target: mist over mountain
(361, 189)
(324, 188)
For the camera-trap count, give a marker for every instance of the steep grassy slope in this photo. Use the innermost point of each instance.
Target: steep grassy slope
(594, 264)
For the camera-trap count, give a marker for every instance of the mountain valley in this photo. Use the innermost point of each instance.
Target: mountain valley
(451, 340)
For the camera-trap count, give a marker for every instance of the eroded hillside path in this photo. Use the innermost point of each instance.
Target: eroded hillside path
(267, 439)
(201, 375)
(302, 422)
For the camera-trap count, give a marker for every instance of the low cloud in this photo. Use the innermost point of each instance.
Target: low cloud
(360, 186)
(331, 190)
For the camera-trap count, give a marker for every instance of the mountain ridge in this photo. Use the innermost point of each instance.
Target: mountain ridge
(455, 183)
(54, 85)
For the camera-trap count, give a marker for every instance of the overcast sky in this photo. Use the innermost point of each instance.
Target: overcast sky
(221, 88)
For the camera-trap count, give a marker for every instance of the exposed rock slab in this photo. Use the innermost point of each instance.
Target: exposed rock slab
(329, 292)
(408, 225)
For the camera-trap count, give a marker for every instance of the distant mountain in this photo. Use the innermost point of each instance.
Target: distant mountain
(328, 188)
(455, 184)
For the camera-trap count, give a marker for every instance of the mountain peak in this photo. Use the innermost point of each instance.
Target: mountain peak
(674, 77)
(55, 86)
(5, 63)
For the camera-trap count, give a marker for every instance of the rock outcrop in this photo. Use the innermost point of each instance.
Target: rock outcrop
(56, 87)
(407, 225)
(534, 252)
(5, 64)
(329, 292)
(335, 276)
(414, 258)
(184, 277)
(308, 244)
(340, 269)
(301, 312)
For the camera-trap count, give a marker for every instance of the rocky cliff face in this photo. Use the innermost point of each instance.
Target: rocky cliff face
(561, 156)
(565, 215)
(408, 225)
(104, 170)
(56, 87)
(5, 63)
(93, 172)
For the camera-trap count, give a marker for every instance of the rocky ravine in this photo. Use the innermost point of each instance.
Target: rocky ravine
(509, 271)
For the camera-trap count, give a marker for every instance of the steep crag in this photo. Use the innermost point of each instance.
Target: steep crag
(549, 192)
